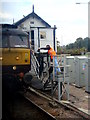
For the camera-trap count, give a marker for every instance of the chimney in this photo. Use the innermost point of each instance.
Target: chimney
(33, 8)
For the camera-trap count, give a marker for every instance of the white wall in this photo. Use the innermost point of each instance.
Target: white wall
(49, 38)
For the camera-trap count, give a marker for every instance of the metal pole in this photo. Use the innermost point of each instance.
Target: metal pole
(89, 26)
(53, 75)
(59, 90)
(38, 39)
(54, 37)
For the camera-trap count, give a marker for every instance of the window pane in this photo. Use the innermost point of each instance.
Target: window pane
(18, 41)
(43, 35)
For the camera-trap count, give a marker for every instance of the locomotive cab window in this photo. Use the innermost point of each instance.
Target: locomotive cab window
(18, 41)
(14, 41)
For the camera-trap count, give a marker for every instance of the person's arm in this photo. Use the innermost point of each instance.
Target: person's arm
(44, 48)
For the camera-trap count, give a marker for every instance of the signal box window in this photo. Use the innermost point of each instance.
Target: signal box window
(42, 35)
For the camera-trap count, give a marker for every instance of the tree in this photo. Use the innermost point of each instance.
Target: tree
(79, 46)
(79, 42)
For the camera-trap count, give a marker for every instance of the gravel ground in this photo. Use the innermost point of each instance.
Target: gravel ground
(58, 111)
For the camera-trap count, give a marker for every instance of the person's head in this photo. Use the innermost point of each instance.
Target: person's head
(48, 47)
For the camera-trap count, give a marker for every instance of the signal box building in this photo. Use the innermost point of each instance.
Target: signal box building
(41, 33)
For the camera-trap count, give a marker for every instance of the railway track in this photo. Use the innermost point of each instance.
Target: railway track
(52, 106)
(22, 108)
(32, 104)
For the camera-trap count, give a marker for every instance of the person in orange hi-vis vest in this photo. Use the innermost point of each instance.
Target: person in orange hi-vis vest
(51, 52)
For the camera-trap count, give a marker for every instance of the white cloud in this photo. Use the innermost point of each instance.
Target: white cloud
(69, 33)
(5, 15)
(6, 18)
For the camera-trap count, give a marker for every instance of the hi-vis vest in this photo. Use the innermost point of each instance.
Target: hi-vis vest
(52, 53)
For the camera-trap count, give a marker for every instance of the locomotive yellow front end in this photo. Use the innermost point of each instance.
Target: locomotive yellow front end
(14, 55)
(15, 61)
(15, 52)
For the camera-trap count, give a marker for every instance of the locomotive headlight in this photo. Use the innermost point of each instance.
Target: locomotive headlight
(1, 58)
(17, 58)
(14, 67)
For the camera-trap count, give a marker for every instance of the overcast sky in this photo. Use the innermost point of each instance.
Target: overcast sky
(70, 19)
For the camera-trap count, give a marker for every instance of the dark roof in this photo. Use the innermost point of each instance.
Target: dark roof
(13, 31)
(8, 26)
(33, 14)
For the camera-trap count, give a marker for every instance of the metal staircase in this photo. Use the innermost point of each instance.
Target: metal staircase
(35, 68)
(35, 65)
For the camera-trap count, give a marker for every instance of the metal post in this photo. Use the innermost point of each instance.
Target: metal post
(64, 66)
(60, 80)
(54, 36)
(59, 90)
(68, 90)
(38, 39)
(89, 26)
(53, 75)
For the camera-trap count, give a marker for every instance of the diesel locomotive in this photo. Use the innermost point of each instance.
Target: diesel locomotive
(14, 53)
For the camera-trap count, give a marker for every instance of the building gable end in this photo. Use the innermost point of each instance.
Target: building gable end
(32, 15)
